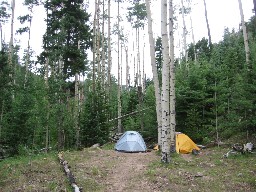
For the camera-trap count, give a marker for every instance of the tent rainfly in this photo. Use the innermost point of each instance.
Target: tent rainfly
(184, 144)
(131, 141)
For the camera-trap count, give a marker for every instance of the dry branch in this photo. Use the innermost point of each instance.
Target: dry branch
(68, 172)
(129, 114)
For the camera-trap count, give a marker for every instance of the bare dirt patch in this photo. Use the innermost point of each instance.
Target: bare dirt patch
(109, 170)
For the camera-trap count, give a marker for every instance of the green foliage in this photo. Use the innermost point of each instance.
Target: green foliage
(137, 14)
(93, 119)
(68, 36)
(4, 15)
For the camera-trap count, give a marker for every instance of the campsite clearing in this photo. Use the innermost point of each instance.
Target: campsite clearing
(101, 169)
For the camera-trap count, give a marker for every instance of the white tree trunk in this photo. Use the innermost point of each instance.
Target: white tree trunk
(109, 49)
(207, 23)
(94, 46)
(184, 35)
(192, 32)
(103, 46)
(172, 78)
(246, 42)
(119, 75)
(11, 38)
(28, 51)
(127, 68)
(154, 71)
(166, 132)
(76, 111)
(98, 41)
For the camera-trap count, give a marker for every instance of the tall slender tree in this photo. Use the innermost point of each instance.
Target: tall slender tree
(109, 48)
(184, 35)
(172, 79)
(119, 70)
(11, 46)
(207, 23)
(246, 43)
(165, 135)
(154, 71)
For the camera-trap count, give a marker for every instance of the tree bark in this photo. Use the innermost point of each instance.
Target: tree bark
(192, 33)
(154, 71)
(94, 46)
(119, 75)
(109, 50)
(10, 62)
(207, 23)
(98, 60)
(127, 68)
(165, 86)
(68, 172)
(184, 32)
(172, 80)
(246, 42)
(103, 46)
(28, 51)
(76, 111)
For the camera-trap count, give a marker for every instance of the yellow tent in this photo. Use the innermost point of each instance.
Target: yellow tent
(184, 144)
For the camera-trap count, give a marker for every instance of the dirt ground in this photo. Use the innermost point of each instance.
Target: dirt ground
(115, 171)
(109, 170)
(128, 173)
(106, 170)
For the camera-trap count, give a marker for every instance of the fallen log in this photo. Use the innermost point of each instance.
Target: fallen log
(68, 172)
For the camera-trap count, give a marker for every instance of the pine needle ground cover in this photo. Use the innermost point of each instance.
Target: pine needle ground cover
(103, 169)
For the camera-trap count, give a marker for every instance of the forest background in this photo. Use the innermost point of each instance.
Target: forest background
(62, 99)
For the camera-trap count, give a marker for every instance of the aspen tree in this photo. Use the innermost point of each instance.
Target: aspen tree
(207, 23)
(172, 79)
(192, 33)
(184, 35)
(127, 67)
(11, 47)
(109, 49)
(166, 132)
(119, 71)
(154, 71)
(103, 46)
(246, 43)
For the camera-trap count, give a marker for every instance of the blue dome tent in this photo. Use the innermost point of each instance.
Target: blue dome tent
(131, 141)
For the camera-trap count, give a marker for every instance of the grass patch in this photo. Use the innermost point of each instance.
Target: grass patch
(108, 146)
(209, 171)
(33, 173)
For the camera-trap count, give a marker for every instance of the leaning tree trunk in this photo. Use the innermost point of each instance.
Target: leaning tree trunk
(154, 71)
(166, 132)
(246, 44)
(172, 79)
(207, 23)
